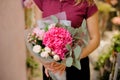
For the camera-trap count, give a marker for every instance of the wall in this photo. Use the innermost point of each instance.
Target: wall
(12, 48)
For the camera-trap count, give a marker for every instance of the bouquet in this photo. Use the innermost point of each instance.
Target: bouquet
(53, 39)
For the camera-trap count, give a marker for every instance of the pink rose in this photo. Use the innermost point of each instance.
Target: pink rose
(39, 33)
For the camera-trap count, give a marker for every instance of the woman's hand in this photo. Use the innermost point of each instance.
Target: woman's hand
(28, 3)
(54, 67)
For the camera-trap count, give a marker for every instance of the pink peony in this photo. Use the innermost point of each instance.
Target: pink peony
(39, 33)
(57, 39)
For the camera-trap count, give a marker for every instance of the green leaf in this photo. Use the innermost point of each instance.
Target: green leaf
(54, 18)
(118, 49)
(68, 47)
(77, 52)
(71, 52)
(79, 30)
(71, 30)
(46, 26)
(85, 42)
(69, 61)
(83, 23)
(77, 64)
(76, 37)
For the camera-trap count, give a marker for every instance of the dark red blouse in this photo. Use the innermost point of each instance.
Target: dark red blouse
(75, 13)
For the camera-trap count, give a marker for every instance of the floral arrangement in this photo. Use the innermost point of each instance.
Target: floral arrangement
(55, 40)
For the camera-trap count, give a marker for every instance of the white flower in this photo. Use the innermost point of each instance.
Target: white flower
(53, 53)
(47, 49)
(44, 54)
(51, 26)
(56, 57)
(37, 48)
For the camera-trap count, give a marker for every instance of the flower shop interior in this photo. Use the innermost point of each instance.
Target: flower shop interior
(104, 61)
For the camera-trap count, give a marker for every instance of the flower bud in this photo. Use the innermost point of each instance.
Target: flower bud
(53, 53)
(56, 57)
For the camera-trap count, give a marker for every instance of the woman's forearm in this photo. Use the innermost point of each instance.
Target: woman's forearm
(94, 34)
(92, 45)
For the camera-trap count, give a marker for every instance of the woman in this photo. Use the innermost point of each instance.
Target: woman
(76, 11)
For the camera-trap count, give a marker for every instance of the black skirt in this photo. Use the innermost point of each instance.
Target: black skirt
(75, 74)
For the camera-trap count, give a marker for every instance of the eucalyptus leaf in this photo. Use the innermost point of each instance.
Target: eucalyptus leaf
(80, 30)
(77, 64)
(71, 52)
(68, 47)
(65, 27)
(46, 26)
(69, 61)
(85, 41)
(83, 23)
(54, 18)
(71, 30)
(76, 37)
(77, 52)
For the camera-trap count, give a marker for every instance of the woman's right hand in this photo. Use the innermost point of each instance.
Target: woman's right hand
(54, 67)
(28, 3)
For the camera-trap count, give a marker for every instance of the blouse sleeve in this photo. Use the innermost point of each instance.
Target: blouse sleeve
(91, 9)
(39, 4)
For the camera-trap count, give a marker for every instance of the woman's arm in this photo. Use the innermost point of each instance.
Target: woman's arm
(93, 30)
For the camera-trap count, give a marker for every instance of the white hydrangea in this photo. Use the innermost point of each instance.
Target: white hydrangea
(44, 54)
(56, 57)
(37, 48)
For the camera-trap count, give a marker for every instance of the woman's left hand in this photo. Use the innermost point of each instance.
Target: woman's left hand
(54, 67)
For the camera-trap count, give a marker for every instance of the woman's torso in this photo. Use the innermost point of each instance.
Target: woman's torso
(74, 13)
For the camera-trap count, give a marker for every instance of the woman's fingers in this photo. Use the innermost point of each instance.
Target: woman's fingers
(54, 67)
(58, 68)
(46, 72)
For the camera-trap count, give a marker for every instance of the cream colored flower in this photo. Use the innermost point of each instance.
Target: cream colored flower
(53, 53)
(56, 57)
(47, 49)
(37, 48)
(44, 54)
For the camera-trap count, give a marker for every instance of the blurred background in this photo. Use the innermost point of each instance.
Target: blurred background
(104, 61)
